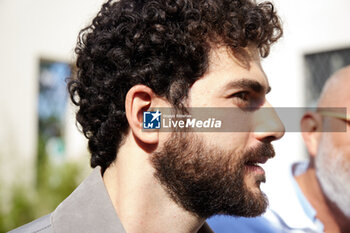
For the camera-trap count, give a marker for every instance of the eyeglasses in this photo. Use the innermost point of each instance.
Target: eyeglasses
(336, 115)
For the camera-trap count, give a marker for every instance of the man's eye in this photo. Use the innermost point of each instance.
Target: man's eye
(247, 101)
(243, 95)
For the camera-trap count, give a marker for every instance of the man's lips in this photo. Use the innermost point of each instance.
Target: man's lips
(261, 159)
(253, 165)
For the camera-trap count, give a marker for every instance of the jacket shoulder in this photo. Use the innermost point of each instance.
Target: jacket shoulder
(40, 225)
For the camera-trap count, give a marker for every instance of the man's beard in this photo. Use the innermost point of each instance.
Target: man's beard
(207, 180)
(333, 173)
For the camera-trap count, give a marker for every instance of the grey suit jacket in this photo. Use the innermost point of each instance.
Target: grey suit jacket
(88, 209)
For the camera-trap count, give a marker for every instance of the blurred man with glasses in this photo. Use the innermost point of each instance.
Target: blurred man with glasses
(326, 182)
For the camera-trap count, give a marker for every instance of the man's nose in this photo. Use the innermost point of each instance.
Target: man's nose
(268, 125)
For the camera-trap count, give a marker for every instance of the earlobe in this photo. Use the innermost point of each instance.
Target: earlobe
(311, 126)
(138, 100)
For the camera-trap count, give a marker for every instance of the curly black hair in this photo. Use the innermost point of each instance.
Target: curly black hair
(163, 44)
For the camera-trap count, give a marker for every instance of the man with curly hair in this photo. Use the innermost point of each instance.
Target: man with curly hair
(137, 55)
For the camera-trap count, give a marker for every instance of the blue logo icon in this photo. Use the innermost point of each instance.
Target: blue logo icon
(151, 120)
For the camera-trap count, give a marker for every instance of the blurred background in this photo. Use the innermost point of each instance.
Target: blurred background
(42, 154)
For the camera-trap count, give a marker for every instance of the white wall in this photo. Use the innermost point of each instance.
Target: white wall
(309, 26)
(48, 29)
(30, 30)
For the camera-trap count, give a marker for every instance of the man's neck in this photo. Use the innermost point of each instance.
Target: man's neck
(140, 201)
(331, 217)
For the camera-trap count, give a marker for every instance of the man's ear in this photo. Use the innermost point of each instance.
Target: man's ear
(138, 100)
(311, 128)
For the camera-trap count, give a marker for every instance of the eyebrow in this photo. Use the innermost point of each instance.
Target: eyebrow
(249, 84)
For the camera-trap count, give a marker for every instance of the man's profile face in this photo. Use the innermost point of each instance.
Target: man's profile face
(333, 166)
(332, 159)
(217, 173)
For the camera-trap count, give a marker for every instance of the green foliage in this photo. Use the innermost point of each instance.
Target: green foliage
(54, 184)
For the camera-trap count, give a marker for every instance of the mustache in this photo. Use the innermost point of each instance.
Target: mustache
(260, 152)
